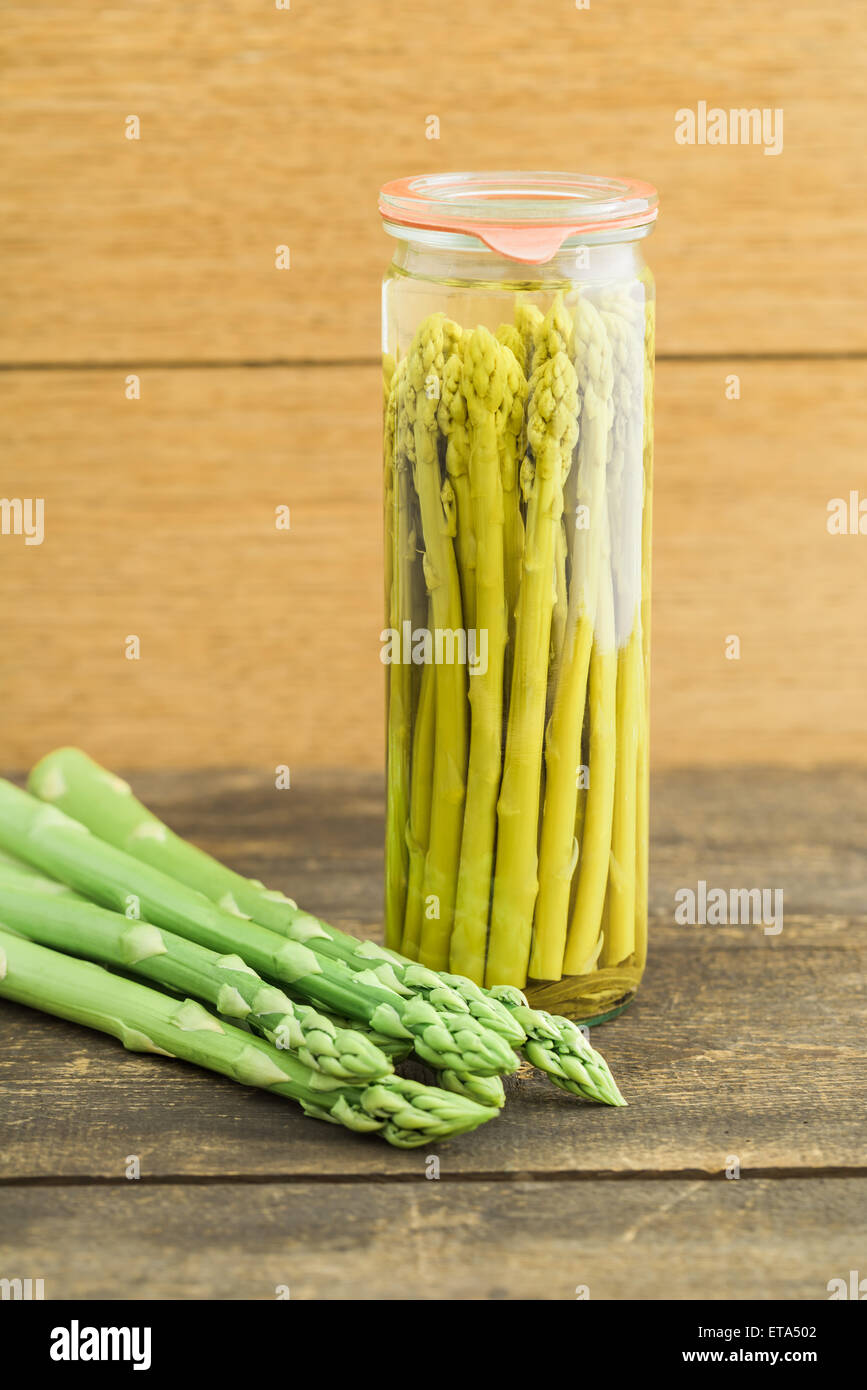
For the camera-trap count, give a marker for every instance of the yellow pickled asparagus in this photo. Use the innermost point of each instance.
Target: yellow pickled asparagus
(490, 385)
(624, 321)
(452, 420)
(510, 336)
(561, 602)
(620, 937)
(559, 848)
(593, 865)
(528, 317)
(426, 366)
(401, 559)
(552, 429)
(512, 443)
(418, 829)
(552, 333)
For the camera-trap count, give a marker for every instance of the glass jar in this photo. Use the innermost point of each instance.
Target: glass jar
(518, 341)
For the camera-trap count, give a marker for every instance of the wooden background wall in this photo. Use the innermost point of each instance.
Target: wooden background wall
(260, 387)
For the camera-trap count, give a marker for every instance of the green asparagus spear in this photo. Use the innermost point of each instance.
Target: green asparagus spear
(426, 365)
(418, 828)
(401, 561)
(484, 1090)
(488, 395)
(63, 848)
(558, 851)
(73, 924)
(558, 1047)
(552, 431)
(144, 1020)
(453, 424)
(395, 1049)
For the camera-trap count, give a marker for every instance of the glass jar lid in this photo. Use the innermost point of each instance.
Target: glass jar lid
(526, 217)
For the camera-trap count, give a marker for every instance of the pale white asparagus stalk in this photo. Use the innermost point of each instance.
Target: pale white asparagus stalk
(643, 811)
(624, 321)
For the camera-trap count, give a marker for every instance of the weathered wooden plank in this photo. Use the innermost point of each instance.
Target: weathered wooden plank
(747, 1239)
(277, 127)
(261, 647)
(738, 1046)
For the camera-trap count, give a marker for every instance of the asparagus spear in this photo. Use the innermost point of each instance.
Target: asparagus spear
(425, 369)
(401, 557)
(552, 334)
(144, 1020)
(561, 602)
(484, 1090)
(511, 452)
(548, 1041)
(643, 806)
(586, 918)
(558, 1047)
(418, 828)
(107, 806)
(528, 317)
(511, 337)
(624, 323)
(453, 424)
(558, 850)
(63, 848)
(486, 387)
(552, 431)
(395, 1049)
(72, 924)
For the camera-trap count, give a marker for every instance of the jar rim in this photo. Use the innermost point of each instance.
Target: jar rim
(524, 216)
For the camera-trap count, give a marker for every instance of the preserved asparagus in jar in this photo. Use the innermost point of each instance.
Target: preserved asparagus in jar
(518, 341)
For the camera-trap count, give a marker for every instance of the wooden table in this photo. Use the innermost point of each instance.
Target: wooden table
(741, 1049)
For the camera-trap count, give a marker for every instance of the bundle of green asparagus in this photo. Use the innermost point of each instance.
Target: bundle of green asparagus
(404, 1112)
(86, 870)
(518, 468)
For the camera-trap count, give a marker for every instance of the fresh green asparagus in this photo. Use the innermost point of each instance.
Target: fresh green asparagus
(106, 805)
(65, 849)
(73, 783)
(144, 1020)
(72, 924)
(558, 1047)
